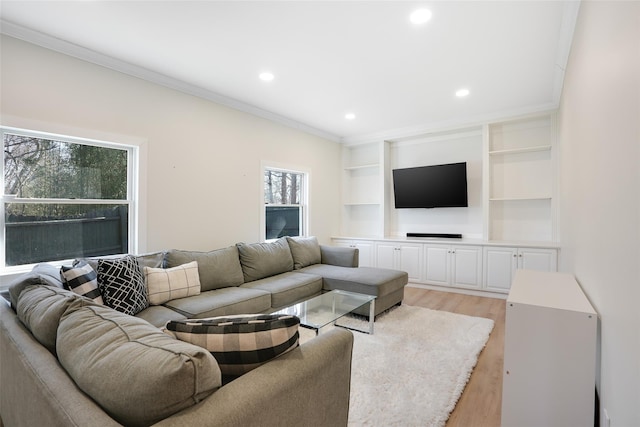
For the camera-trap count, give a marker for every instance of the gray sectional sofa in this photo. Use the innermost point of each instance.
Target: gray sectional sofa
(265, 277)
(146, 377)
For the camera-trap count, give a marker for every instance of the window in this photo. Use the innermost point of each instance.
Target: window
(64, 198)
(284, 199)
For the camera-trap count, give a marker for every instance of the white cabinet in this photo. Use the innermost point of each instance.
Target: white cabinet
(400, 256)
(365, 250)
(464, 265)
(549, 352)
(501, 264)
(458, 266)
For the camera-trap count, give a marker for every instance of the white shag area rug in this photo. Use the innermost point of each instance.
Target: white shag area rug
(414, 368)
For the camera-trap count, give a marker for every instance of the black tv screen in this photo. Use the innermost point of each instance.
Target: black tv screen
(438, 186)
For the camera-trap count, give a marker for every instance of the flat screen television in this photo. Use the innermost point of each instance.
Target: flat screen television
(437, 186)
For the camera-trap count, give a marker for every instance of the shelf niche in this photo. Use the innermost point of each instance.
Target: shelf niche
(521, 174)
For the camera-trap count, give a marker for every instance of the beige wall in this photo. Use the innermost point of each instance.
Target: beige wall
(202, 183)
(600, 190)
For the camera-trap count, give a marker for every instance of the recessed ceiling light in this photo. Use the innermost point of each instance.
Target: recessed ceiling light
(349, 116)
(461, 93)
(420, 16)
(266, 76)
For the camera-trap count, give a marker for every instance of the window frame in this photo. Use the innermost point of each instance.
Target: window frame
(304, 196)
(133, 150)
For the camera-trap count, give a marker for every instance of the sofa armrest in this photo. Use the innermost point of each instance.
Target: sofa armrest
(307, 386)
(340, 256)
(34, 389)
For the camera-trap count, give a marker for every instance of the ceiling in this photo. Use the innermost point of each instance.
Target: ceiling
(328, 58)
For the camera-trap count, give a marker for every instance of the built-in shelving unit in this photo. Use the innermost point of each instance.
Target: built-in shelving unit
(520, 179)
(511, 175)
(363, 189)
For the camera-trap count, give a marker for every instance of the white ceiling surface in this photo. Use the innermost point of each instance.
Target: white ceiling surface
(328, 57)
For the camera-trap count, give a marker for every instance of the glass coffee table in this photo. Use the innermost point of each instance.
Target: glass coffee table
(327, 308)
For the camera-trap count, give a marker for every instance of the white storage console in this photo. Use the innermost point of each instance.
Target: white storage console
(549, 352)
(470, 266)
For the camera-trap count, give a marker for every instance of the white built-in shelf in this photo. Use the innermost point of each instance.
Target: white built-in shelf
(520, 150)
(360, 167)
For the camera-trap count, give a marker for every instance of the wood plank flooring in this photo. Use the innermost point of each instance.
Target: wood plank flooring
(480, 403)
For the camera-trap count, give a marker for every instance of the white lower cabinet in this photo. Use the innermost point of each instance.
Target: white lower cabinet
(457, 266)
(484, 267)
(365, 250)
(501, 263)
(406, 257)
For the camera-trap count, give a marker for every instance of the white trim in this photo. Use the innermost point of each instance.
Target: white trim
(473, 292)
(306, 196)
(58, 45)
(567, 28)
(451, 125)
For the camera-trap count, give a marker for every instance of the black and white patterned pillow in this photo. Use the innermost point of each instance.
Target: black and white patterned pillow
(240, 343)
(122, 285)
(83, 280)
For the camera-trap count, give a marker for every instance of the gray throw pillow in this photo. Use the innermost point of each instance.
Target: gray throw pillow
(305, 251)
(216, 269)
(260, 260)
(134, 371)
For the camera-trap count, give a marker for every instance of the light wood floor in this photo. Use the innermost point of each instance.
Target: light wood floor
(480, 403)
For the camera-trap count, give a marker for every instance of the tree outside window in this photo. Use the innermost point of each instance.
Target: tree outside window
(283, 194)
(63, 198)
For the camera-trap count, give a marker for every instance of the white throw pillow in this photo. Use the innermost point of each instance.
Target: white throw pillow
(166, 284)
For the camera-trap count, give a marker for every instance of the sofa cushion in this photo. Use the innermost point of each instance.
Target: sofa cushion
(240, 343)
(152, 259)
(260, 260)
(40, 308)
(82, 279)
(159, 315)
(41, 274)
(122, 285)
(138, 374)
(221, 302)
(288, 288)
(305, 251)
(362, 280)
(165, 284)
(217, 269)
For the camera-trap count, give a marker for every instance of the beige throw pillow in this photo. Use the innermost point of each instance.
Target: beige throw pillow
(166, 284)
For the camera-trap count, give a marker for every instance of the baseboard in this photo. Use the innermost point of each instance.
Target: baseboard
(473, 292)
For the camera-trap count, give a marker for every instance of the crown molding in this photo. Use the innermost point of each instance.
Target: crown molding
(567, 29)
(401, 134)
(82, 53)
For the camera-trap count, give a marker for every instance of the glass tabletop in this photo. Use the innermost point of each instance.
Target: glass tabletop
(327, 308)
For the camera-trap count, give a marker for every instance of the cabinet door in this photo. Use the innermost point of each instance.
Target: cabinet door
(410, 260)
(385, 255)
(499, 266)
(437, 265)
(466, 267)
(538, 259)
(365, 252)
